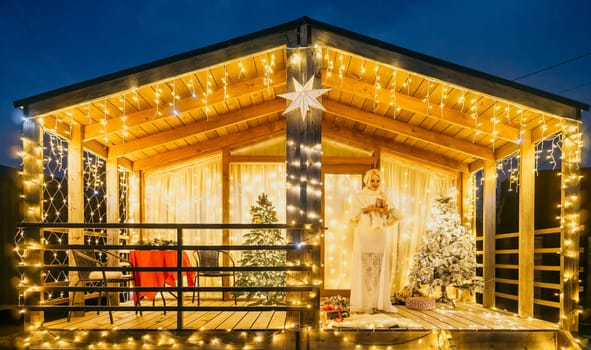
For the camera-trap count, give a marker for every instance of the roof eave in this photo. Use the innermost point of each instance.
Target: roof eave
(282, 35)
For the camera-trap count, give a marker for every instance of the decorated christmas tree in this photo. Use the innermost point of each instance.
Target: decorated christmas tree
(447, 256)
(263, 213)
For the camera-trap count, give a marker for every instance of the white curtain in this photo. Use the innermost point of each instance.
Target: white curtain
(412, 189)
(191, 193)
(338, 236)
(247, 182)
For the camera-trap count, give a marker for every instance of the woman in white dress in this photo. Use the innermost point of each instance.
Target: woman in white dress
(372, 216)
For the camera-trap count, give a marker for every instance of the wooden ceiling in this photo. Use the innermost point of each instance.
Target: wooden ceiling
(234, 103)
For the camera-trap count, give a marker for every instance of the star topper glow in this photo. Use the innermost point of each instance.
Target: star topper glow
(304, 97)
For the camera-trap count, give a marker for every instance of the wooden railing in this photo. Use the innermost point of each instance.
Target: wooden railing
(302, 269)
(547, 288)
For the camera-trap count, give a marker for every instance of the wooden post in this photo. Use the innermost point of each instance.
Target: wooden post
(32, 208)
(133, 206)
(303, 157)
(226, 194)
(75, 203)
(463, 198)
(570, 225)
(112, 189)
(225, 212)
(526, 227)
(489, 227)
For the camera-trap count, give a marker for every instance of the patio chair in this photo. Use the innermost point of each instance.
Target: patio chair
(87, 259)
(211, 258)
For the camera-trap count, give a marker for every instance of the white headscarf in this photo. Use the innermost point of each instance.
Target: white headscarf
(369, 174)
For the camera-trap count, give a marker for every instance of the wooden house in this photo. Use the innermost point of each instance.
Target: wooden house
(194, 138)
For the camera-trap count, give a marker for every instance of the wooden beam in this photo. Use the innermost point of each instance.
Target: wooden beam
(347, 137)
(540, 133)
(418, 106)
(367, 161)
(251, 135)
(224, 120)
(535, 135)
(398, 127)
(147, 116)
(526, 228)
(96, 148)
(359, 140)
(124, 162)
(256, 158)
(476, 165)
(50, 124)
(509, 149)
(326, 160)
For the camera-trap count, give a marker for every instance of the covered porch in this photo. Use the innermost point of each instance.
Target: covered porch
(169, 143)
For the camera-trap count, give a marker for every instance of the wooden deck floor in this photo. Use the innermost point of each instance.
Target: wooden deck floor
(195, 320)
(464, 317)
(467, 326)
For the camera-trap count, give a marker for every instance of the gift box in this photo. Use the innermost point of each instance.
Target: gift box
(337, 315)
(420, 303)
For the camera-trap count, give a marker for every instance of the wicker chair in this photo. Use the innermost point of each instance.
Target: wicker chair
(211, 258)
(88, 259)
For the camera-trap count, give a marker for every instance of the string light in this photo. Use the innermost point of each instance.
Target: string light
(393, 94)
(174, 98)
(474, 115)
(376, 86)
(157, 101)
(427, 99)
(124, 117)
(241, 70)
(406, 83)
(205, 94)
(462, 101)
(225, 82)
(104, 122)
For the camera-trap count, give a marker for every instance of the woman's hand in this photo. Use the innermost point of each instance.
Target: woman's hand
(373, 209)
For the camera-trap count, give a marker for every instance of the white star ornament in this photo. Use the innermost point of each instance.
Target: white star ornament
(304, 97)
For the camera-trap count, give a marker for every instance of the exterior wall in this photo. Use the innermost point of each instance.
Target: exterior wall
(10, 187)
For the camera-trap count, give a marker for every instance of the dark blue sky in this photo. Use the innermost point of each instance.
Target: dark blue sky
(45, 45)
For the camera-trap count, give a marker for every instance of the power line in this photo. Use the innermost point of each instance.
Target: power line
(553, 66)
(575, 87)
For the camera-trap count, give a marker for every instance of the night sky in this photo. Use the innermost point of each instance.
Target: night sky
(45, 45)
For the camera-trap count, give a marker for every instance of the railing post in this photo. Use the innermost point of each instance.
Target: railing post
(179, 278)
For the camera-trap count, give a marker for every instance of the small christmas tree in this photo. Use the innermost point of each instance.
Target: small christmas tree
(447, 256)
(263, 213)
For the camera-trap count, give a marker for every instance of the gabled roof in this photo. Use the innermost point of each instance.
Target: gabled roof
(225, 95)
